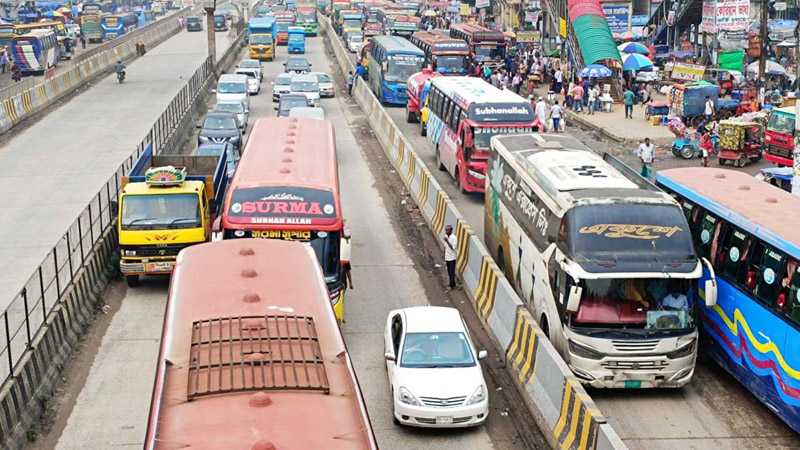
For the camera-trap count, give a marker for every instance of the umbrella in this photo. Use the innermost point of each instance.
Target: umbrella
(617, 36)
(772, 68)
(633, 47)
(635, 61)
(430, 13)
(787, 44)
(595, 71)
(630, 36)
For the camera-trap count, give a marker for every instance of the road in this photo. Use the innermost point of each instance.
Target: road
(712, 412)
(107, 399)
(62, 160)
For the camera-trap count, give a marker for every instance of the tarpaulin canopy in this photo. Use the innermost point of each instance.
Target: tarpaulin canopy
(731, 60)
(595, 39)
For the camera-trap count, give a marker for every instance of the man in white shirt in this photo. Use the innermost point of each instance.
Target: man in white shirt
(559, 79)
(450, 247)
(593, 95)
(709, 110)
(675, 301)
(646, 152)
(555, 114)
(541, 113)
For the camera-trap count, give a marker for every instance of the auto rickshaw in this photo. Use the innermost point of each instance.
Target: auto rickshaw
(740, 142)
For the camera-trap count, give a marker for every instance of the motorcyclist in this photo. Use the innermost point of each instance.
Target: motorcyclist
(120, 68)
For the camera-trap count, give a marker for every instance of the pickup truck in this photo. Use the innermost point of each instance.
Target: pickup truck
(166, 204)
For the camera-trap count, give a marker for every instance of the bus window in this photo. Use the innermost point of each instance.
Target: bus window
(769, 280)
(707, 237)
(692, 213)
(733, 257)
(787, 299)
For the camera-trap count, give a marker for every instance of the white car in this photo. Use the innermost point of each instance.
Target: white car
(355, 42)
(253, 82)
(306, 84)
(325, 84)
(433, 368)
(281, 85)
(252, 64)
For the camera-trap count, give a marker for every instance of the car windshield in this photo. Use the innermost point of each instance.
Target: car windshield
(283, 26)
(356, 39)
(297, 63)
(323, 78)
(636, 303)
(261, 39)
(436, 350)
(304, 86)
(283, 81)
(495, 52)
(292, 103)
(219, 123)
(296, 38)
(782, 124)
(151, 212)
(250, 64)
(402, 66)
(219, 19)
(231, 87)
(193, 20)
(235, 108)
(249, 73)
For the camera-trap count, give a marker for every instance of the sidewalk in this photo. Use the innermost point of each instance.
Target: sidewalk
(53, 168)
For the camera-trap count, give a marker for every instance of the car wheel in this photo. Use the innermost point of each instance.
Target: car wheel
(132, 280)
(687, 151)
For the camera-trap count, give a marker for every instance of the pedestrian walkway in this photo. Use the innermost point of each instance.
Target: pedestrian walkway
(52, 169)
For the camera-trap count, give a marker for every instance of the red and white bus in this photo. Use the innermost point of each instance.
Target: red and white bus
(286, 186)
(418, 87)
(252, 357)
(486, 46)
(463, 115)
(283, 20)
(448, 56)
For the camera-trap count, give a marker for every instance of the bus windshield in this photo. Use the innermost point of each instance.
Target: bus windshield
(150, 212)
(305, 17)
(283, 26)
(483, 135)
(261, 39)
(655, 304)
(232, 88)
(782, 124)
(456, 63)
(483, 52)
(326, 246)
(402, 66)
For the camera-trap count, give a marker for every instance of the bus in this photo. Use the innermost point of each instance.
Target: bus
(445, 55)
(57, 27)
(290, 191)
(386, 15)
(307, 18)
(486, 46)
(371, 8)
(751, 233)
(35, 51)
(115, 25)
(91, 27)
(251, 355)
(6, 34)
(602, 259)
(391, 61)
(283, 20)
(146, 17)
(463, 115)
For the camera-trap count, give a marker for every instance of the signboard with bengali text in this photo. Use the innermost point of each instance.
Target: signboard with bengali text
(687, 72)
(725, 15)
(618, 17)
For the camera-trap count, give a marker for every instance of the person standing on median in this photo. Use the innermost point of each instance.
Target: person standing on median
(628, 98)
(450, 246)
(3, 61)
(350, 83)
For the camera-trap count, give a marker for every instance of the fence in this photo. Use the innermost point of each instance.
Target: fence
(17, 88)
(44, 289)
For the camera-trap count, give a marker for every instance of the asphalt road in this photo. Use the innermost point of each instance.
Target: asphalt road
(108, 407)
(712, 412)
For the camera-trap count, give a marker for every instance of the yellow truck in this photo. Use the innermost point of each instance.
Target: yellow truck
(166, 204)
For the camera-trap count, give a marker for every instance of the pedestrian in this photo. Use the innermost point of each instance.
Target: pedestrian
(541, 114)
(706, 147)
(450, 246)
(648, 90)
(558, 77)
(646, 152)
(359, 73)
(555, 114)
(350, 83)
(568, 95)
(594, 93)
(83, 41)
(709, 109)
(344, 257)
(628, 98)
(494, 79)
(577, 95)
(3, 61)
(16, 73)
(585, 86)
(504, 81)
(487, 72)
(141, 47)
(516, 82)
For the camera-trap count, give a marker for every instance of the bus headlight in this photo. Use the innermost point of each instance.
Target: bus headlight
(336, 296)
(129, 252)
(682, 352)
(584, 352)
(476, 175)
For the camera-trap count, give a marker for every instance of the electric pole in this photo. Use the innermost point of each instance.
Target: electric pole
(210, 6)
(762, 61)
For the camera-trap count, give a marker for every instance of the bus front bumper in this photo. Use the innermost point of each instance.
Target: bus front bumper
(626, 372)
(475, 177)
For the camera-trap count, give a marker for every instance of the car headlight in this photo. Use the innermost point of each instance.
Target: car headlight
(130, 252)
(682, 352)
(407, 397)
(203, 138)
(768, 138)
(584, 352)
(233, 139)
(477, 175)
(478, 396)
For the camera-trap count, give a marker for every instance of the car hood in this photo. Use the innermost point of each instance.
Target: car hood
(324, 86)
(441, 382)
(282, 88)
(311, 95)
(219, 133)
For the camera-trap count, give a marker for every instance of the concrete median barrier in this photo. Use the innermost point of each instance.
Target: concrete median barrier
(564, 411)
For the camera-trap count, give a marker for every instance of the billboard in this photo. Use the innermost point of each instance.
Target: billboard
(618, 17)
(725, 15)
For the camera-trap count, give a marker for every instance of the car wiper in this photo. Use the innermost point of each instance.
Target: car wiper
(180, 219)
(137, 220)
(441, 366)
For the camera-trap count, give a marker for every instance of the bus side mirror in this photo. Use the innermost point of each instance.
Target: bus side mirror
(216, 227)
(710, 287)
(114, 208)
(574, 300)
(385, 67)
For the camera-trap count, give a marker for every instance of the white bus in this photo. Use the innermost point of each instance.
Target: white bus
(604, 260)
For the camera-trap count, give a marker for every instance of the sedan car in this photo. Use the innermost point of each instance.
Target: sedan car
(232, 154)
(218, 127)
(252, 64)
(289, 101)
(297, 64)
(238, 108)
(253, 82)
(307, 85)
(433, 368)
(194, 23)
(325, 84)
(281, 85)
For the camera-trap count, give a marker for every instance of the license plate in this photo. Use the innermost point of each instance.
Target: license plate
(444, 421)
(160, 266)
(633, 384)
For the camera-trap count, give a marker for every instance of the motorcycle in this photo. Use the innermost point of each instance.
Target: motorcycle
(121, 76)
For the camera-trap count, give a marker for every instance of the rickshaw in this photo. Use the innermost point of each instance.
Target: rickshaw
(739, 142)
(688, 145)
(654, 108)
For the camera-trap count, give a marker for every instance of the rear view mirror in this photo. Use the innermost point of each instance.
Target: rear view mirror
(483, 354)
(388, 356)
(710, 287)
(275, 108)
(574, 300)
(213, 91)
(113, 206)
(198, 126)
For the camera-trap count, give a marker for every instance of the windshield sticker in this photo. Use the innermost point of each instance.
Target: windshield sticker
(630, 231)
(286, 235)
(503, 130)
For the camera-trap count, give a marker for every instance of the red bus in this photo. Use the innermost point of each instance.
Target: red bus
(286, 186)
(283, 20)
(448, 56)
(251, 355)
(486, 46)
(463, 115)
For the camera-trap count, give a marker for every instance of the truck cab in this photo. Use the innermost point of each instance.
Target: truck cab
(297, 40)
(166, 204)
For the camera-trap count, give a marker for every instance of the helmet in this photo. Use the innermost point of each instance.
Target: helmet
(119, 62)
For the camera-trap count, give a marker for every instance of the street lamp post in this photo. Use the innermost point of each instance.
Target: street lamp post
(210, 6)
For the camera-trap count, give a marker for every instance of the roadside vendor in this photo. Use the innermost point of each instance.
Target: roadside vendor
(753, 104)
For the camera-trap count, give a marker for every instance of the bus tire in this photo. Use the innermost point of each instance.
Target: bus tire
(459, 184)
(545, 326)
(423, 129)
(410, 117)
(439, 164)
(501, 259)
(132, 280)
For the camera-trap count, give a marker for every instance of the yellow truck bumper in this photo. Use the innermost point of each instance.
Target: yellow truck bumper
(139, 267)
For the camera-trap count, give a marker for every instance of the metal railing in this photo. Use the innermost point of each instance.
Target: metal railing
(47, 285)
